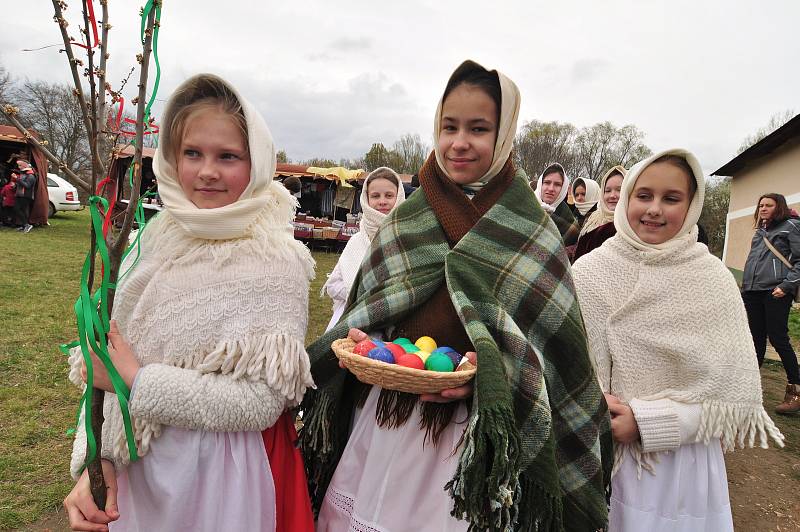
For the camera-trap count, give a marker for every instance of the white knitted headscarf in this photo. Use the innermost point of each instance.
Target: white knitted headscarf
(592, 194)
(509, 113)
(234, 220)
(561, 195)
(689, 228)
(371, 219)
(603, 214)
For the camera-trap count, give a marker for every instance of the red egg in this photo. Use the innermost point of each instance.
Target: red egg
(396, 350)
(411, 361)
(364, 347)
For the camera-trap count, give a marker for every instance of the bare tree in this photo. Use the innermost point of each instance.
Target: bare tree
(412, 152)
(601, 146)
(282, 157)
(775, 121)
(378, 155)
(540, 143)
(715, 212)
(52, 110)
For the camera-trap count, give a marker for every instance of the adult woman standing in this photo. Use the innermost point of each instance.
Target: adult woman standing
(599, 226)
(382, 192)
(769, 285)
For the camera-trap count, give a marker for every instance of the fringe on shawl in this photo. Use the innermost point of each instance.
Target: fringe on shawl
(485, 487)
(279, 360)
(734, 424)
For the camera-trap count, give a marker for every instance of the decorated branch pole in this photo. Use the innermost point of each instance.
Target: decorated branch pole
(93, 309)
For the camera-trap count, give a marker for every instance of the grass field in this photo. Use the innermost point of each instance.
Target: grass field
(39, 275)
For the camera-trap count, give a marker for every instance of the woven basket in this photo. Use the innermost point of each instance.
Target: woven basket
(399, 378)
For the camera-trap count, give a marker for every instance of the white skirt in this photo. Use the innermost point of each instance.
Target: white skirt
(388, 480)
(198, 481)
(688, 493)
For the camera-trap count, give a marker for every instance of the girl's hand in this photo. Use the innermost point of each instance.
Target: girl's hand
(778, 293)
(82, 512)
(121, 355)
(453, 394)
(624, 428)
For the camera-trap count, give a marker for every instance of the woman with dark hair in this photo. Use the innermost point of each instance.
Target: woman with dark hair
(769, 284)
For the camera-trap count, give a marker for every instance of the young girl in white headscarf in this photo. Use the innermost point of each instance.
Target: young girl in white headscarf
(551, 189)
(471, 260)
(586, 193)
(668, 335)
(382, 192)
(210, 324)
(599, 226)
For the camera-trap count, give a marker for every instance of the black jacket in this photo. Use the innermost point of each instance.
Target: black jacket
(26, 184)
(763, 270)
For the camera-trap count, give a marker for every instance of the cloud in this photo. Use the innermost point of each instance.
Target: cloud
(349, 44)
(338, 122)
(587, 70)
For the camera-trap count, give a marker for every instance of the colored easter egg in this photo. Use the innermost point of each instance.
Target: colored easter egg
(382, 354)
(444, 349)
(426, 343)
(411, 361)
(400, 341)
(363, 347)
(377, 342)
(397, 350)
(423, 355)
(410, 348)
(454, 357)
(439, 362)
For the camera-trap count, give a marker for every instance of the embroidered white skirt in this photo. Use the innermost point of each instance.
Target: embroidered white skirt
(388, 480)
(198, 481)
(688, 493)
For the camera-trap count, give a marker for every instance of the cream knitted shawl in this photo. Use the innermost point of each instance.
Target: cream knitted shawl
(669, 323)
(233, 307)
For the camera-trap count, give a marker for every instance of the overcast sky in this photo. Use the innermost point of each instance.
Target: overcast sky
(332, 77)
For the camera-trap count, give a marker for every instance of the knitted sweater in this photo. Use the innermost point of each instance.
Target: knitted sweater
(218, 327)
(667, 329)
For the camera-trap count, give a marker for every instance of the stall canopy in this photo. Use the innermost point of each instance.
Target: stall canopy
(14, 145)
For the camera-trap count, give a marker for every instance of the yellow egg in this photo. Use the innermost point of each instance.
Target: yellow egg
(426, 343)
(423, 354)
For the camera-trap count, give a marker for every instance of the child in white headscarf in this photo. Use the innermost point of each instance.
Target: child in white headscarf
(586, 193)
(668, 335)
(211, 322)
(551, 189)
(382, 192)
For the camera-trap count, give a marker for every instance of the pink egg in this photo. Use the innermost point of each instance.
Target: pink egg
(396, 350)
(364, 347)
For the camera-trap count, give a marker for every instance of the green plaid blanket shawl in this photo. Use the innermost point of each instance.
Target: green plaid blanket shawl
(566, 223)
(531, 455)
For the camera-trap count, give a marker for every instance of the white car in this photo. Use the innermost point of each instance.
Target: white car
(63, 196)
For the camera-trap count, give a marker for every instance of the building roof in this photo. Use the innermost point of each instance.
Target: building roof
(788, 131)
(299, 170)
(12, 134)
(124, 151)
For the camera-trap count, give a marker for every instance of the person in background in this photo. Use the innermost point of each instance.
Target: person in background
(25, 192)
(587, 194)
(599, 226)
(769, 285)
(551, 189)
(8, 193)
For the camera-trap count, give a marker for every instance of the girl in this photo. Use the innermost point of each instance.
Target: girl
(680, 390)
(381, 193)
(471, 260)
(551, 189)
(599, 226)
(211, 322)
(587, 194)
(769, 285)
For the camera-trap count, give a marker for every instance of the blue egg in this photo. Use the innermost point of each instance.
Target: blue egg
(454, 357)
(382, 354)
(377, 342)
(444, 350)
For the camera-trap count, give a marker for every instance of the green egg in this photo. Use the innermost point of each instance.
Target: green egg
(402, 341)
(410, 348)
(439, 362)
